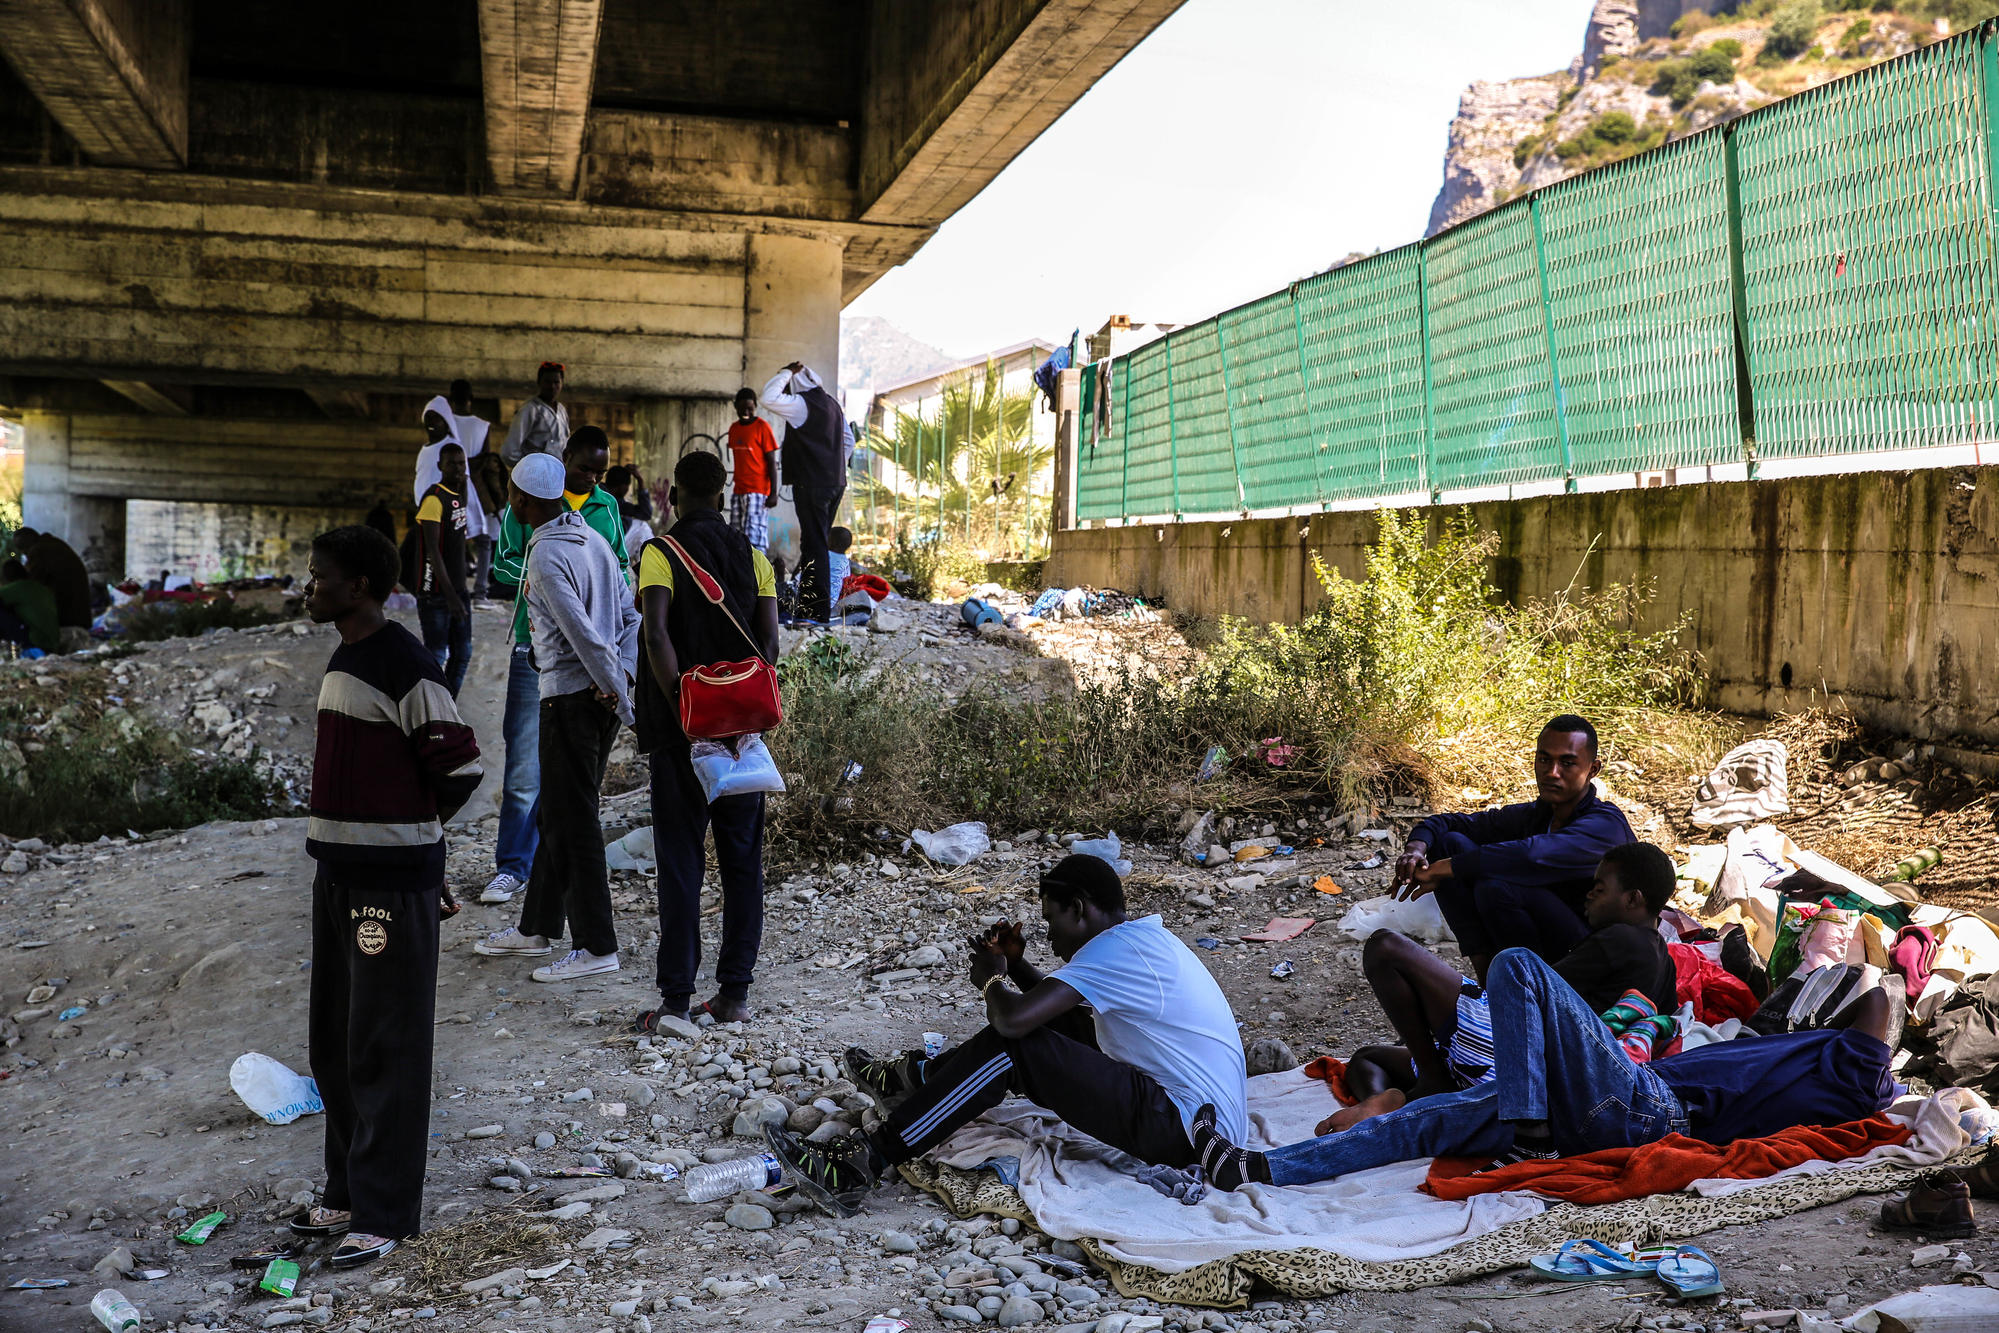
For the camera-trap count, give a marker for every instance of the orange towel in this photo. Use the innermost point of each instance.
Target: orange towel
(1333, 1073)
(1672, 1163)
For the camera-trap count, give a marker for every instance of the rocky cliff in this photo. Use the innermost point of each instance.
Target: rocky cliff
(1650, 71)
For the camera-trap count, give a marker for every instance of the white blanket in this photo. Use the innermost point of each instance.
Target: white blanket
(1076, 1187)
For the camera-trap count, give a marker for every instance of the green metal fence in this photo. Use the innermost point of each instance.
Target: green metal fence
(1818, 277)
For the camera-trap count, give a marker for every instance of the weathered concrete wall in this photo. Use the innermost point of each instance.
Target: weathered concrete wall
(1881, 588)
(221, 541)
(330, 286)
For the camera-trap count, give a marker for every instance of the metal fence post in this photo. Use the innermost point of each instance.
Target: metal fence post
(1429, 386)
(1738, 294)
(1548, 325)
(1228, 409)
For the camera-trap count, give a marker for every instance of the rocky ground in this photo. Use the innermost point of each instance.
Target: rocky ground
(136, 970)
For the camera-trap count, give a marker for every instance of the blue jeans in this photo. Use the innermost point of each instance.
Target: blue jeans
(1545, 1041)
(520, 791)
(449, 640)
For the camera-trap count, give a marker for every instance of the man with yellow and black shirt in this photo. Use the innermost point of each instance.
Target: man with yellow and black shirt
(680, 630)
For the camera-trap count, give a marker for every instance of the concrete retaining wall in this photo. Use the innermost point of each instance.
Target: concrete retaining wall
(1881, 588)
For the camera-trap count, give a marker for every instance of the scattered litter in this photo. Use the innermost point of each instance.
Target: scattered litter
(1929, 1254)
(1324, 884)
(1377, 834)
(1283, 969)
(38, 1284)
(933, 1045)
(151, 1274)
(273, 1090)
(543, 1274)
(1212, 763)
(1282, 928)
(1276, 753)
(1208, 942)
(113, 1311)
(1944, 1309)
(1371, 863)
(1253, 852)
(958, 845)
(1418, 918)
(881, 1323)
(261, 1258)
(201, 1229)
(632, 852)
(74, 1011)
(280, 1278)
(32, 944)
(1106, 848)
(1909, 867)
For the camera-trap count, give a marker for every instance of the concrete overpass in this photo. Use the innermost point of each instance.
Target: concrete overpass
(240, 243)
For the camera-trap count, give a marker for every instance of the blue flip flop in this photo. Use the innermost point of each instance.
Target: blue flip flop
(1589, 1261)
(1688, 1271)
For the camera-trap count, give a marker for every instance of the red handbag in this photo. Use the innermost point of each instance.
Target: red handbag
(724, 700)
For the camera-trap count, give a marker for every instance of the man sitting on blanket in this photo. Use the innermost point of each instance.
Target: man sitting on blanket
(1514, 878)
(1563, 1085)
(1443, 1019)
(1125, 1042)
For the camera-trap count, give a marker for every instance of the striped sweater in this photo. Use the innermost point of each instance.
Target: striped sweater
(393, 759)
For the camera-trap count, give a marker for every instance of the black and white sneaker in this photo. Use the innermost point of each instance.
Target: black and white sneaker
(888, 1078)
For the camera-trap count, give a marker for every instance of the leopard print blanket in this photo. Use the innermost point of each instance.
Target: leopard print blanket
(1226, 1284)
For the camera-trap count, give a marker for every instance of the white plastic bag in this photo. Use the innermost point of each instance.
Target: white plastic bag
(957, 845)
(1106, 848)
(1418, 918)
(632, 852)
(747, 770)
(272, 1090)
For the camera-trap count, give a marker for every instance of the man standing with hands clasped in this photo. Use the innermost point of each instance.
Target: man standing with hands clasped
(585, 631)
(814, 456)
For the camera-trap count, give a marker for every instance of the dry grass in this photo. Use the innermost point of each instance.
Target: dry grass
(438, 1262)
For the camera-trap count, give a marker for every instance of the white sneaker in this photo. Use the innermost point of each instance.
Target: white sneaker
(500, 888)
(511, 943)
(577, 963)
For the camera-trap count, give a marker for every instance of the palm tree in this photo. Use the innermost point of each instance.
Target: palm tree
(966, 469)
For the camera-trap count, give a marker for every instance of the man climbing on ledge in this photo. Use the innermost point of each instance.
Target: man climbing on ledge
(1124, 1043)
(1445, 1021)
(1516, 877)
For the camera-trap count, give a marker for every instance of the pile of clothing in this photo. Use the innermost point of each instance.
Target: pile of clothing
(1077, 603)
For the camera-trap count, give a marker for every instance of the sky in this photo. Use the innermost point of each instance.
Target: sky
(1243, 145)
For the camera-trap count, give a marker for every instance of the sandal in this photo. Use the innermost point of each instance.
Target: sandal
(1587, 1260)
(709, 1008)
(320, 1222)
(1689, 1272)
(358, 1249)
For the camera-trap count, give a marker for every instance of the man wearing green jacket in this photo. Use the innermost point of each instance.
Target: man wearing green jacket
(586, 457)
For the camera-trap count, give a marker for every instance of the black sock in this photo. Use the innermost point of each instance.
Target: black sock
(1226, 1166)
(879, 1142)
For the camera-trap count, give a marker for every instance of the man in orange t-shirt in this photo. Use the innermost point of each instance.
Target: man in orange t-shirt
(751, 444)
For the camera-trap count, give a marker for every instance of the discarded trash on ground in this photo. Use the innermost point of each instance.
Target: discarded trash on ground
(1324, 884)
(632, 852)
(1106, 848)
(273, 1090)
(958, 845)
(1283, 969)
(1282, 928)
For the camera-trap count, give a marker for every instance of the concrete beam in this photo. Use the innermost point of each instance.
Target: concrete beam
(228, 283)
(339, 404)
(146, 397)
(113, 73)
(955, 92)
(540, 57)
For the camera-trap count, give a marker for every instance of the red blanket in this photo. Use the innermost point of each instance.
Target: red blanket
(1671, 1164)
(1715, 993)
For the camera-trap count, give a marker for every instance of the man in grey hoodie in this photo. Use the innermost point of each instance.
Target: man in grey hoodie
(585, 630)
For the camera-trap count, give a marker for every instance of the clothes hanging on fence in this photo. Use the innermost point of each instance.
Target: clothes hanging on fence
(1047, 373)
(1103, 403)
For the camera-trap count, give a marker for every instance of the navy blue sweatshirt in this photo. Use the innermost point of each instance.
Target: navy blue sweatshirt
(1514, 845)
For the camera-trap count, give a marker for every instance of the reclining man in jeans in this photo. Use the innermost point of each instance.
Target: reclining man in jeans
(1562, 1085)
(1125, 1042)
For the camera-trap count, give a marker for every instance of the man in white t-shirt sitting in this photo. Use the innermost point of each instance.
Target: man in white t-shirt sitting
(1125, 1042)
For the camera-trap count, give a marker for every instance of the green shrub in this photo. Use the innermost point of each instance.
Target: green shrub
(1614, 127)
(121, 774)
(185, 620)
(1729, 47)
(1793, 29)
(1525, 149)
(1857, 32)
(1381, 689)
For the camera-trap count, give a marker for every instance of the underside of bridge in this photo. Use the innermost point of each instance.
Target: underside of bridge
(241, 243)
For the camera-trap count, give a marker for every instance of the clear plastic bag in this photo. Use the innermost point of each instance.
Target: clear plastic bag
(273, 1090)
(1418, 918)
(742, 772)
(1106, 848)
(958, 845)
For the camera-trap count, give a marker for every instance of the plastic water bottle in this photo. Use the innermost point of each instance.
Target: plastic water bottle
(718, 1180)
(113, 1310)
